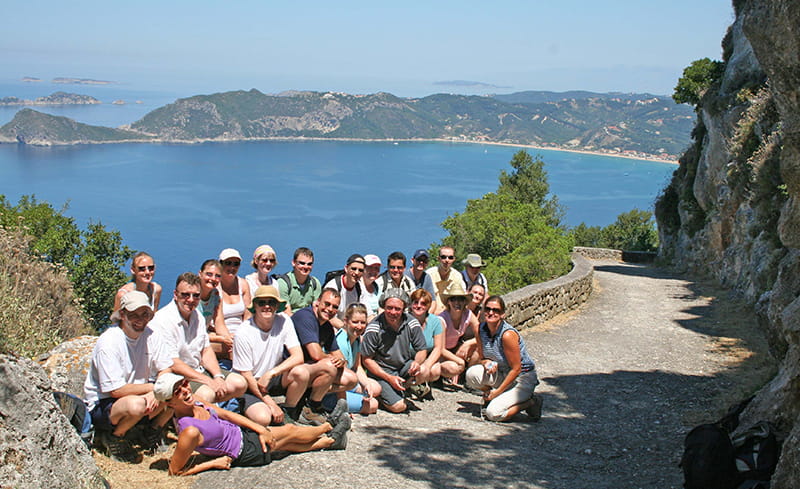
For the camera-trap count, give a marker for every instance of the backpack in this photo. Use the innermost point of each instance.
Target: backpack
(336, 276)
(712, 460)
(285, 277)
(76, 413)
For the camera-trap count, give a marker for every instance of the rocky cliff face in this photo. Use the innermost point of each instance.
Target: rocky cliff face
(732, 210)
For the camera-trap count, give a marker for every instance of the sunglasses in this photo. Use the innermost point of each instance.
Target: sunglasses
(149, 268)
(305, 263)
(231, 263)
(268, 260)
(447, 257)
(493, 310)
(266, 302)
(186, 295)
(396, 268)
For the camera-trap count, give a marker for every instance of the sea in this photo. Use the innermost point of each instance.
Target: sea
(184, 203)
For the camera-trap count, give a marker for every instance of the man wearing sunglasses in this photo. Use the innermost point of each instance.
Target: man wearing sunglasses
(417, 274)
(186, 338)
(299, 287)
(443, 275)
(258, 355)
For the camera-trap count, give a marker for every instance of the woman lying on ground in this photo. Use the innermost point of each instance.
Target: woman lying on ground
(506, 373)
(433, 330)
(143, 269)
(232, 439)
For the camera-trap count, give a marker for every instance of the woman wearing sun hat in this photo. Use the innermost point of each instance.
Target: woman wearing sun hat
(231, 438)
(461, 326)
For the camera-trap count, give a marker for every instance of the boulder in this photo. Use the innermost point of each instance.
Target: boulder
(68, 363)
(38, 446)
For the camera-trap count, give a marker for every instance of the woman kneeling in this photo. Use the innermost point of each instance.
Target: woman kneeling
(506, 373)
(232, 439)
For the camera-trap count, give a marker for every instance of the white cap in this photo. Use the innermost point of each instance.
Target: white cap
(165, 385)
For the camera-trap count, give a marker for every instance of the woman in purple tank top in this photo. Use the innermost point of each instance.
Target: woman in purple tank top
(236, 441)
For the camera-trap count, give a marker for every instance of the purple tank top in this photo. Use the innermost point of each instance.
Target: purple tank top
(220, 437)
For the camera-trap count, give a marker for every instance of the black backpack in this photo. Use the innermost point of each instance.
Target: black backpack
(336, 275)
(712, 460)
(77, 415)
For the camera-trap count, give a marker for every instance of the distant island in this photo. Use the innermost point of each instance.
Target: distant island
(81, 81)
(56, 98)
(634, 125)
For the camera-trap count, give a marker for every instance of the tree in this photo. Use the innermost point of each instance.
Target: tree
(515, 230)
(93, 258)
(632, 231)
(696, 79)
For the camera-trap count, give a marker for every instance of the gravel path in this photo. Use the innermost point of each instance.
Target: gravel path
(618, 378)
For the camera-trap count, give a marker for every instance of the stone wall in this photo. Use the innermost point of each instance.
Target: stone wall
(536, 303)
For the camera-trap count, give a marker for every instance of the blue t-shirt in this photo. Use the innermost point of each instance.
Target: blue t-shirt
(349, 351)
(309, 330)
(433, 326)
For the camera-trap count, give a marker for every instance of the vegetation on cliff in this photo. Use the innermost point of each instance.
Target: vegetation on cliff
(92, 258)
(634, 230)
(32, 127)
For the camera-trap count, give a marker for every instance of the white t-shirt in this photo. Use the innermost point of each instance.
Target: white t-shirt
(184, 339)
(118, 360)
(348, 296)
(257, 351)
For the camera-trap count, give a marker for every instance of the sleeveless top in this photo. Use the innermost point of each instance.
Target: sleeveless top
(233, 313)
(493, 348)
(150, 292)
(220, 437)
(207, 307)
(453, 333)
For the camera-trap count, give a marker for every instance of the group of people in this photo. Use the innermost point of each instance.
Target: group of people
(216, 356)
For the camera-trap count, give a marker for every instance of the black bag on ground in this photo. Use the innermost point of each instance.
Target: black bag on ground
(77, 415)
(757, 452)
(708, 460)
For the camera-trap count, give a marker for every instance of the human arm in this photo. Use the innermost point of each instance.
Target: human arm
(156, 296)
(436, 351)
(510, 341)
(258, 388)
(246, 298)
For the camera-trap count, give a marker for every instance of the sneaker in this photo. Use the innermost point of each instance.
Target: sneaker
(153, 440)
(534, 410)
(309, 417)
(339, 432)
(287, 417)
(118, 448)
(341, 407)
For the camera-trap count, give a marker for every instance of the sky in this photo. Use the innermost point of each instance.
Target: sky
(409, 49)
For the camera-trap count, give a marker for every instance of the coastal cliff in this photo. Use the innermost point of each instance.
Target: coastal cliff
(732, 209)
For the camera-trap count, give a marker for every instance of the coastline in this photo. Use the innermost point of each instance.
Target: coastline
(638, 156)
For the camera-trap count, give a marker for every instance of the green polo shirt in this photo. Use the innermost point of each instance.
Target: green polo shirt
(299, 297)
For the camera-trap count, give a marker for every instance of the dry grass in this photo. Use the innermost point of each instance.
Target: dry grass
(38, 309)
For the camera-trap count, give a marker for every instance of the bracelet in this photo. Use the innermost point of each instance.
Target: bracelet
(219, 376)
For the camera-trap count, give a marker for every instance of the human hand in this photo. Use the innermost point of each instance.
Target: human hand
(397, 382)
(219, 387)
(150, 403)
(413, 369)
(275, 411)
(267, 439)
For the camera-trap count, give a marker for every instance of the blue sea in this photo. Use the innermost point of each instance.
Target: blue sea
(184, 203)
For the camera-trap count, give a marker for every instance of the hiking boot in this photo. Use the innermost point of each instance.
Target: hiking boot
(341, 407)
(339, 432)
(534, 410)
(118, 448)
(153, 440)
(309, 417)
(287, 416)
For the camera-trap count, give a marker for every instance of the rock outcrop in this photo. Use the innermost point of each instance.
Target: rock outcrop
(38, 446)
(732, 210)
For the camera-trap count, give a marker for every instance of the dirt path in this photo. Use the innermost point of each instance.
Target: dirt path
(622, 380)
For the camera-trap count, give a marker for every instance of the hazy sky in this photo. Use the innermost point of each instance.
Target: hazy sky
(407, 48)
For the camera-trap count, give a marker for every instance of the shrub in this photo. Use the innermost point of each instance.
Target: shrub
(38, 309)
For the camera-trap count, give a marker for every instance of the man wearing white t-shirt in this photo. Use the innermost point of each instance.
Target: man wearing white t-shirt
(118, 389)
(184, 331)
(258, 355)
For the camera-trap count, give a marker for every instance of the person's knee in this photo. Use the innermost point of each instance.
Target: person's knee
(237, 385)
(259, 413)
(475, 376)
(206, 394)
(299, 375)
(493, 413)
(349, 380)
(397, 407)
(370, 406)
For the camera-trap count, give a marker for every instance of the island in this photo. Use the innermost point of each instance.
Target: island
(81, 81)
(633, 125)
(56, 98)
